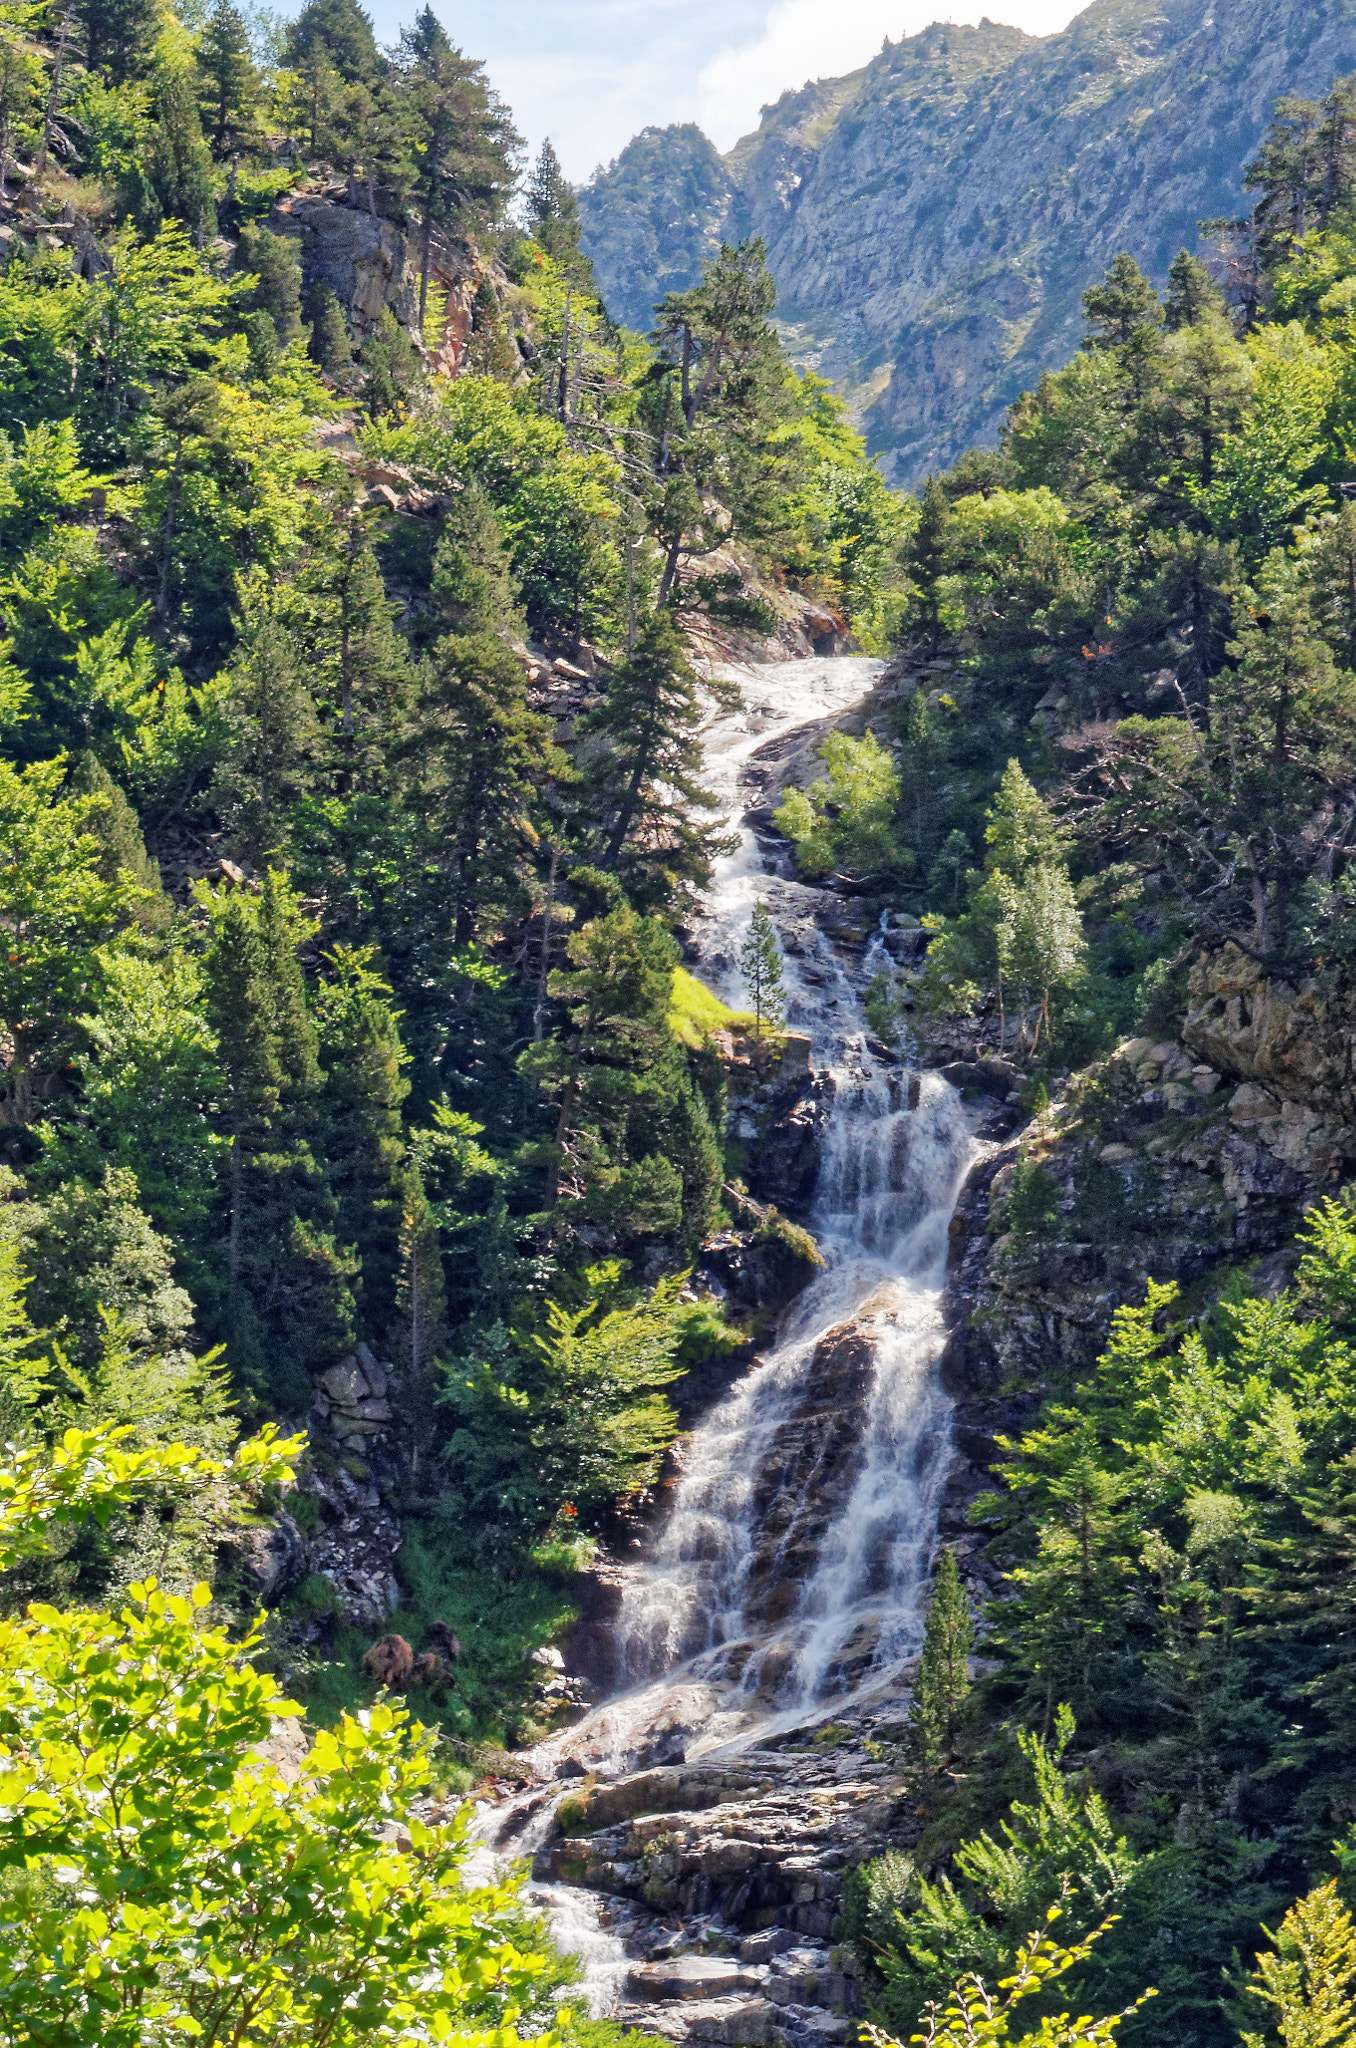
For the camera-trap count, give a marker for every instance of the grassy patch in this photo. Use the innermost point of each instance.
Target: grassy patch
(694, 1012)
(499, 1618)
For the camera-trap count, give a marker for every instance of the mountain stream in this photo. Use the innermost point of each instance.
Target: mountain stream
(784, 1588)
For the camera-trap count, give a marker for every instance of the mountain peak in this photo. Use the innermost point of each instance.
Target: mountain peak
(933, 218)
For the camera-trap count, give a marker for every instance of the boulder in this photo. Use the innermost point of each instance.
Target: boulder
(693, 1976)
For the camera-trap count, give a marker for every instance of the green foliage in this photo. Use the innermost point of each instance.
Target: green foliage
(1059, 1852)
(1309, 1978)
(760, 963)
(569, 1415)
(943, 1680)
(846, 818)
(972, 2014)
(186, 1810)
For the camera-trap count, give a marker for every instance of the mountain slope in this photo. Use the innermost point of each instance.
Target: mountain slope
(933, 219)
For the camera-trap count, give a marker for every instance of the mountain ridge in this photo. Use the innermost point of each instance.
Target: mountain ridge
(933, 219)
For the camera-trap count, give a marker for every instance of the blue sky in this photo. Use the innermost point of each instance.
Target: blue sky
(589, 73)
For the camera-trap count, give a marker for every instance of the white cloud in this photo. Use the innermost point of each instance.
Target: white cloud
(803, 39)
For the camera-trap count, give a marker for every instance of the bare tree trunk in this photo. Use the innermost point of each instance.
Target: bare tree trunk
(563, 393)
(54, 95)
(423, 273)
(233, 1248)
(563, 1124)
(539, 1012)
(670, 575)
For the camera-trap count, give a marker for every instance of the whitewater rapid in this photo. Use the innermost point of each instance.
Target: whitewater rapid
(895, 1153)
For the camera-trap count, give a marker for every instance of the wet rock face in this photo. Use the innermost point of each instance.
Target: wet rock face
(807, 1473)
(723, 1881)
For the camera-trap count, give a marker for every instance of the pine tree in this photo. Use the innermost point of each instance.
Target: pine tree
(178, 181)
(943, 1681)
(391, 369)
(1121, 306)
(229, 85)
(1192, 293)
(1285, 172)
(361, 1136)
(330, 344)
(760, 963)
(341, 32)
(927, 557)
(644, 784)
(285, 1305)
(1336, 174)
(480, 754)
(552, 209)
(465, 144)
(117, 827)
(472, 583)
(119, 38)
(274, 261)
(614, 1060)
(1125, 318)
(272, 749)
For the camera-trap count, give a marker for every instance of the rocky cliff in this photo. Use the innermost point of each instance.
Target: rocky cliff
(933, 219)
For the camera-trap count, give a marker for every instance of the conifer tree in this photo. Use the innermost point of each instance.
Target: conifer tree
(465, 144)
(1192, 293)
(360, 1134)
(274, 262)
(390, 367)
(229, 85)
(943, 1681)
(614, 1058)
(285, 1304)
(760, 964)
(330, 343)
(480, 753)
(553, 211)
(272, 750)
(644, 779)
(1125, 319)
(119, 38)
(717, 394)
(178, 180)
(927, 557)
(341, 32)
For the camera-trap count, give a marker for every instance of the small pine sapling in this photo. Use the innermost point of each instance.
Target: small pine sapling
(943, 1681)
(760, 963)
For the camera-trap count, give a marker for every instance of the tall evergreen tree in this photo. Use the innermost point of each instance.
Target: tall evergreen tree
(360, 1130)
(942, 1685)
(478, 754)
(119, 38)
(552, 209)
(285, 1305)
(465, 144)
(341, 32)
(644, 777)
(229, 85)
(927, 556)
(614, 1060)
(1192, 293)
(717, 394)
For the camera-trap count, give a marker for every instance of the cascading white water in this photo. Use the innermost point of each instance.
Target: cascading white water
(711, 1657)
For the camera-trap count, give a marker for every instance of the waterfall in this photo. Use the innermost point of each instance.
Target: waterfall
(790, 1570)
